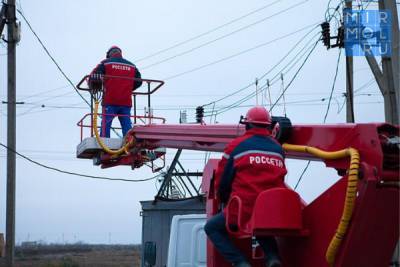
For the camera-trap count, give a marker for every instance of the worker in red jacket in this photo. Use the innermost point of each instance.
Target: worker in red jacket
(118, 83)
(250, 164)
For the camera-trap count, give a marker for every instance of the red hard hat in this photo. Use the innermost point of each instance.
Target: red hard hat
(258, 115)
(113, 49)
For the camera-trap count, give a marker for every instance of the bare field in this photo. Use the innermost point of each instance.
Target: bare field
(77, 255)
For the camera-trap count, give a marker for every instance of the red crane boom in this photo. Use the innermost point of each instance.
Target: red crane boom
(373, 229)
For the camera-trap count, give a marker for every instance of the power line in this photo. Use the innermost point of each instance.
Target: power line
(49, 107)
(44, 92)
(237, 54)
(265, 74)
(74, 173)
(296, 59)
(223, 36)
(295, 103)
(178, 95)
(219, 107)
(54, 61)
(249, 96)
(207, 32)
(301, 176)
(295, 75)
(299, 103)
(366, 85)
(333, 85)
(326, 114)
(51, 57)
(237, 103)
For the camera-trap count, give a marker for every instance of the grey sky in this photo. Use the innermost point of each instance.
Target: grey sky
(78, 33)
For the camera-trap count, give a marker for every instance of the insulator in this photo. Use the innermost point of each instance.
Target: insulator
(340, 38)
(199, 114)
(183, 117)
(326, 34)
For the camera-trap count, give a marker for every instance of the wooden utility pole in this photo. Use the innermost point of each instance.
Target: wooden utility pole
(8, 10)
(349, 81)
(388, 77)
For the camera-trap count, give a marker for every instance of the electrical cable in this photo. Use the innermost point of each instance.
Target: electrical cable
(223, 36)
(35, 105)
(51, 57)
(309, 101)
(333, 85)
(247, 86)
(239, 102)
(293, 62)
(283, 95)
(64, 94)
(50, 107)
(326, 113)
(365, 85)
(54, 61)
(74, 173)
(207, 32)
(295, 75)
(269, 93)
(236, 54)
(53, 97)
(44, 92)
(301, 176)
(308, 164)
(269, 71)
(328, 15)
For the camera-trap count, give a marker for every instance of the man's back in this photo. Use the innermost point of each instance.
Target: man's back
(117, 77)
(250, 164)
(255, 163)
(118, 81)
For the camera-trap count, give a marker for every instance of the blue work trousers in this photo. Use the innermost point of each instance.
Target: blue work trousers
(217, 233)
(109, 112)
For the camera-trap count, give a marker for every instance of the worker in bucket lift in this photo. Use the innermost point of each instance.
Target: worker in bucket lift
(118, 76)
(250, 164)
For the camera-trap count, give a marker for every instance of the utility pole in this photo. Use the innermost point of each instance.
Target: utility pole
(390, 66)
(349, 81)
(8, 17)
(388, 78)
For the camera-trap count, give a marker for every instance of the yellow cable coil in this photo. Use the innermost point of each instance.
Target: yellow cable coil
(351, 191)
(123, 149)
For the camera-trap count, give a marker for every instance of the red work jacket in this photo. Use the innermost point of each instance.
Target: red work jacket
(250, 164)
(119, 83)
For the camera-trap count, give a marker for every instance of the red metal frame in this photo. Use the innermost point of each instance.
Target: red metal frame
(135, 92)
(82, 124)
(148, 81)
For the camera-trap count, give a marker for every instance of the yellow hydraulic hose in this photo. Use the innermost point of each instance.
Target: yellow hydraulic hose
(123, 149)
(351, 191)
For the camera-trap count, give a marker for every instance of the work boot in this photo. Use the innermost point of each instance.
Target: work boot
(273, 262)
(242, 264)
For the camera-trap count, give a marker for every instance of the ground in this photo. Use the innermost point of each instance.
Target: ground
(77, 255)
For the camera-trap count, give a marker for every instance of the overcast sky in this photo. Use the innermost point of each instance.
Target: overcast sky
(56, 207)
